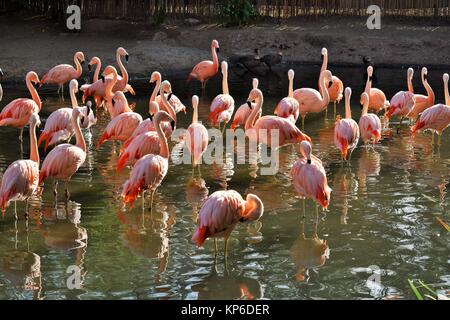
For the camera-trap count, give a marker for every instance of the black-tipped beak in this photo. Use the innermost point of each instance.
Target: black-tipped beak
(1, 74)
(82, 62)
(89, 67)
(330, 84)
(127, 57)
(88, 110)
(322, 57)
(169, 96)
(103, 79)
(217, 50)
(113, 102)
(249, 103)
(370, 78)
(309, 161)
(172, 124)
(82, 120)
(150, 116)
(425, 77)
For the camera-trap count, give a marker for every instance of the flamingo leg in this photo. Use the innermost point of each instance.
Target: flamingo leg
(143, 203)
(399, 125)
(26, 209)
(215, 247)
(439, 139)
(66, 192)
(303, 123)
(62, 92)
(224, 126)
(151, 200)
(226, 249)
(55, 189)
(15, 211)
(199, 171)
(317, 221)
(304, 209)
(432, 138)
(335, 109)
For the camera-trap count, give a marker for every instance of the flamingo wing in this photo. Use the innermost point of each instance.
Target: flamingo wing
(17, 113)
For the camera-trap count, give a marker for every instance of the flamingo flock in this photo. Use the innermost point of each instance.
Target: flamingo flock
(144, 145)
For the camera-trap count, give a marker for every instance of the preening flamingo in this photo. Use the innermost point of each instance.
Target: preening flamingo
(63, 73)
(262, 128)
(337, 89)
(150, 170)
(311, 100)
(222, 107)
(377, 98)
(221, 212)
(288, 107)
(65, 159)
(197, 137)
(116, 103)
(175, 102)
(423, 102)
(346, 131)
(244, 111)
(435, 118)
(369, 123)
(310, 179)
(17, 113)
(20, 179)
(206, 69)
(58, 127)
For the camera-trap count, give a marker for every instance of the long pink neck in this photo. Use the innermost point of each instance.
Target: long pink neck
(169, 109)
(123, 71)
(79, 136)
(348, 110)
(195, 115)
(430, 92)
(34, 153)
(78, 66)
(410, 85)
(97, 70)
(291, 87)
(447, 95)
(34, 93)
(215, 59)
(155, 90)
(368, 85)
(111, 85)
(255, 112)
(324, 91)
(163, 146)
(324, 67)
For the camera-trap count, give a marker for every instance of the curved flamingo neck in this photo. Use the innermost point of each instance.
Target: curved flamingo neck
(447, 95)
(97, 70)
(123, 71)
(169, 109)
(324, 63)
(34, 93)
(368, 84)
(78, 66)
(73, 98)
(430, 92)
(79, 136)
(410, 85)
(163, 146)
(34, 153)
(225, 82)
(156, 89)
(215, 59)
(324, 91)
(255, 112)
(111, 85)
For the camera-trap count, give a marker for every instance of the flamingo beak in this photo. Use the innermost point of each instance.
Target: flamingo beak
(370, 78)
(172, 124)
(169, 96)
(1, 74)
(150, 116)
(89, 67)
(127, 57)
(82, 62)
(82, 120)
(103, 79)
(217, 50)
(309, 161)
(425, 77)
(330, 84)
(249, 103)
(323, 57)
(113, 102)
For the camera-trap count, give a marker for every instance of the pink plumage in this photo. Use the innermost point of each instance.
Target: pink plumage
(197, 137)
(401, 105)
(143, 144)
(121, 127)
(206, 69)
(63, 73)
(369, 123)
(288, 107)
(436, 118)
(222, 107)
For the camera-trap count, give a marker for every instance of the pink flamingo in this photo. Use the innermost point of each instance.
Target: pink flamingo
(150, 170)
(221, 212)
(17, 113)
(346, 131)
(58, 126)
(369, 123)
(116, 103)
(310, 179)
(311, 100)
(222, 107)
(20, 179)
(402, 102)
(435, 118)
(377, 98)
(337, 89)
(244, 111)
(63, 73)
(65, 159)
(288, 107)
(287, 131)
(422, 102)
(97, 88)
(197, 137)
(175, 102)
(447, 95)
(206, 69)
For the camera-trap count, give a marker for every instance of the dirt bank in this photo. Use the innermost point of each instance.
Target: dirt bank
(36, 43)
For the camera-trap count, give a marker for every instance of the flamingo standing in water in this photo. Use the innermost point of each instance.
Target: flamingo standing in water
(65, 159)
(206, 69)
(220, 214)
(310, 179)
(244, 111)
(63, 73)
(377, 98)
(311, 100)
(337, 89)
(197, 136)
(20, 179)
(58, 126)
(288, 107)
(254, 128)
(116, 103)
(422, 102)
(150, 170)
(346, 131)
(97, 89)
(369, 123)
(222, 106)
(17, 113)
(175, 102)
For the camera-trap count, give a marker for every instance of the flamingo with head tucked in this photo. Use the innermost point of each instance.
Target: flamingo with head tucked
(422, 101)
(288, 107)
(337, 89)
(197, 136)
(17, 113)
(222, 107)
(377, 98)
(346, 131)
(63, 73)
(206, 69)
(220, 214)
(369, 123)
(311, 100)
(244, 111)
(20, 180)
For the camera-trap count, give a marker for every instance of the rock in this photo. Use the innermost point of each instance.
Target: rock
(159, 36)
(192, 22)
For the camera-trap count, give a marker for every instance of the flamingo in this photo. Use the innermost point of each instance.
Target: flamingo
(17, 113)
(287, 131)
(116, 103)
(369, 123)
(288, 107)
(310, 179)
(422, 102)
(175, 102)
(63, 73)
(20, 179)
(150, 170)
(206, 69)
(402, 102)
(244, 111)
(346, 131)
(377, 98)
(197, 136)
(311, 100)
(447, 95)
(337, 89)
(222, 106)
(221, 212)
(97, 88)
(58, 126)
(65, 159)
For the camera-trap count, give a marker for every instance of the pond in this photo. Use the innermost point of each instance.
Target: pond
(382, 215)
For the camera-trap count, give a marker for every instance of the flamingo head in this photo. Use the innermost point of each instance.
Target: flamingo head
(324, 53)
(164, 116)
(291, 74)
(195, 101)
(80, 56)
(156, 76)
(364, 99)
(445, 77)
(78, 114)
(425, 74)
(348, 92)
(123, 53)
(370, 72)
(224, 67)
(35, 120)
(215, 45)
(255, 94)
(254, 208)
(32, 77)
(93, 61)
(109, 70)
(410, 73)
(153, 108)
(306, 150)
(166, 88)
(73, 85)
(255, 83)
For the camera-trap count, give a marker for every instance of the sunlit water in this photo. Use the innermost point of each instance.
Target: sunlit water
(383, 213)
